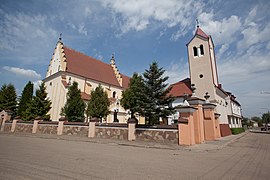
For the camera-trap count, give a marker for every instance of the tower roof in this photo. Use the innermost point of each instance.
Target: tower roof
(200, 32)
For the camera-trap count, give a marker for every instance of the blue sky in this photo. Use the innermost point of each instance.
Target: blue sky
(138, 32)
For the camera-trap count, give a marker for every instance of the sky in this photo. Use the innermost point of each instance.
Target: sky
(139, 32)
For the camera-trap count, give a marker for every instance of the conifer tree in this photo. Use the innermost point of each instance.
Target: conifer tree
(39, 105)
(26, 98)
(75, 106)
(8, 98)
(156, 102)
(98, 106)
(132, 97)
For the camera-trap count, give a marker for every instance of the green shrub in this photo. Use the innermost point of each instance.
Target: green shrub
(237, 130)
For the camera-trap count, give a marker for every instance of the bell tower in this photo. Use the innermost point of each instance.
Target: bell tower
(202, 64)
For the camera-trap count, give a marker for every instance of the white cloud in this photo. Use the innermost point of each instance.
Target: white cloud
(23, 72)
(37, 84)
(139, 14)
(223, 31)
(222, 49)
(253, 35)
(176, 72)
(20, 29)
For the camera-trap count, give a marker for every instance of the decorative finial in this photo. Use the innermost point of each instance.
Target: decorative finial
(112, 59)
(193, 88)
(60, 37)
(185, 102)
(207, 96)
(197, 22)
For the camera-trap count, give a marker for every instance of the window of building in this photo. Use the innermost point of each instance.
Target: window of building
(195, 51)
(201, 76)
(201, 49)
(69, 81)
(59, 68)
(114, 94)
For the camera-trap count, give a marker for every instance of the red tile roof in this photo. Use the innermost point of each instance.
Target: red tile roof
(200, 32)
(125, 82)
(65, 83)
(85, 96)
(180, 88)
(91, 68)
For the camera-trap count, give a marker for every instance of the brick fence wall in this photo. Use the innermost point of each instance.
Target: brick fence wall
(113, 131)
(163, 136)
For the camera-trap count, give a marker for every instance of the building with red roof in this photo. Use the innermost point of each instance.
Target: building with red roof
(204, 79)
(68, 65)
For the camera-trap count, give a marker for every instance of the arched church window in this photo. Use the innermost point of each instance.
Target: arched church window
(59, 68)
(114, 94)
(201, 49)
(195, 51)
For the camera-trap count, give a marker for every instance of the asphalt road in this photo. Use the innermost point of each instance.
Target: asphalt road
(41, 158)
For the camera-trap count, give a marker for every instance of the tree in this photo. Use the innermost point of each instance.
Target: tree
(132, 97)
(266, 117)
(98, 106)
(257, 119)
(75, 106)
(39, 105)
(8, 98)
(26, 98)
(156, 102)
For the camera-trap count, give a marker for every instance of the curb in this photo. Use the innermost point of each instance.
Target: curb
(233, 140)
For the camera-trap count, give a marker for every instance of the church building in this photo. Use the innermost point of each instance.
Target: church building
(68, 65)
(204, 83)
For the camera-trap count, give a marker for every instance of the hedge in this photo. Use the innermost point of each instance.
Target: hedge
(237, 130)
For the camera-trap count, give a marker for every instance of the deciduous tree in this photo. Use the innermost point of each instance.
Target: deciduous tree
(132, 97)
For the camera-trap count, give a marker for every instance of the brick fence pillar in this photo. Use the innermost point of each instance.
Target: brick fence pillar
(60, 127)
(92, 127)
(218, 134)
(186, 125)
(5, 116)
(198, 119)
(132, 129)
(209, 121)
(35, 125)
(13, 126)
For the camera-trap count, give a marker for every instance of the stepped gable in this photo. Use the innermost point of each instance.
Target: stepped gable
(91, 68)
(181, 88)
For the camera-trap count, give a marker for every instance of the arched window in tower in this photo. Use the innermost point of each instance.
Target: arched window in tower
(195, 53)
(59, 68)
(201, 49)
(114, 94)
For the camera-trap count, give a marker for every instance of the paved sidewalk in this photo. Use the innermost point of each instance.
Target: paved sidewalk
(207, 146)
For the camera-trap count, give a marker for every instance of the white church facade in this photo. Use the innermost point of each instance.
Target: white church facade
(68, 65)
